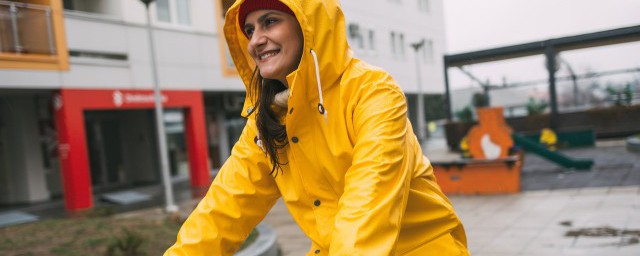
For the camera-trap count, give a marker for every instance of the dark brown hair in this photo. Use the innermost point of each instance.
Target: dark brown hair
(272, 133)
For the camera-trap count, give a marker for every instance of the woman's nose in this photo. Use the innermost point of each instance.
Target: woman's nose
(258, 40)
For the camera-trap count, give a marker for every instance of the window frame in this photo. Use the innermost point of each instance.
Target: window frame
(174, 20)
(424, 6)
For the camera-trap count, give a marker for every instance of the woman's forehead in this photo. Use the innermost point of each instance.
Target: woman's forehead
(257, 15)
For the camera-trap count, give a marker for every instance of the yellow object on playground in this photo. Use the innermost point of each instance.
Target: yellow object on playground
(548, 138)
(464, 147)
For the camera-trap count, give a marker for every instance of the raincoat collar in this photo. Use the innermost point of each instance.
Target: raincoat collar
(324, 32)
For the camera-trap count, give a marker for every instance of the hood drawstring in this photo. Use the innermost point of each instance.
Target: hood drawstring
(321, 107)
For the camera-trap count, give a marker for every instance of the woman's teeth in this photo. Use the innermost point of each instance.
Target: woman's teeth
(267, 55)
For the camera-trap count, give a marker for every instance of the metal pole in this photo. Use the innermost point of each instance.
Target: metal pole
(574, 79)
(52, 48)
(162, 140)
(13, 11)
(420, 101)
(552, 67)
(447, 93)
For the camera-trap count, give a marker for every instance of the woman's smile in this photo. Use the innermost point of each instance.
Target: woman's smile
(268, 55)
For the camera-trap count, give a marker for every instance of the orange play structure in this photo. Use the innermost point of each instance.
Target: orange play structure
(491, 137)
(492, 169)
(480, 176)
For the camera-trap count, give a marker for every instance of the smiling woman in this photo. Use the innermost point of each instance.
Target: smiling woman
(275, 42)
(329, 134)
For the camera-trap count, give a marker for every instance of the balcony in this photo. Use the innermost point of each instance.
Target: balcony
(32, 35)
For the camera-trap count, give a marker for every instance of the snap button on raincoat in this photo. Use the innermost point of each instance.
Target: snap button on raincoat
(356, 181)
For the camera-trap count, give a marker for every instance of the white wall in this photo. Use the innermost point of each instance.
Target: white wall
(384, 16)
(23, 174)
(188, 57)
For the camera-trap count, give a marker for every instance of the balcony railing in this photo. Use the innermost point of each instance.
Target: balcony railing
(26, 29)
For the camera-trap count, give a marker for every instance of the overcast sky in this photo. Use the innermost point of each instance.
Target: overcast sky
(481, 24)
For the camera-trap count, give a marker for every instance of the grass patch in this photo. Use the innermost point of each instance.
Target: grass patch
(92, 236)
(87, 236)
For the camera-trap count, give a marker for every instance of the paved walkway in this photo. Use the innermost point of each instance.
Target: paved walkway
(613, 166)
(290, 238)
(589, 221)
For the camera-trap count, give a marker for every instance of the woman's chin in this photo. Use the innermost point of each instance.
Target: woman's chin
(269, 75)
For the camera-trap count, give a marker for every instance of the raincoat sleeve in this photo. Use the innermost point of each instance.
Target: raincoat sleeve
(376, 185)
(238, 199)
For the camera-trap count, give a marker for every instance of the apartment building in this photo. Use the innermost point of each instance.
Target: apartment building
(76, 99)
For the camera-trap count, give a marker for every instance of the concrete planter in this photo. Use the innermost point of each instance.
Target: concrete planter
(479, 177)
(633, 144)
(264, 245)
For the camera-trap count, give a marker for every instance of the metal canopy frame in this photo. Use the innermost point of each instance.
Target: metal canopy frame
(550, 48)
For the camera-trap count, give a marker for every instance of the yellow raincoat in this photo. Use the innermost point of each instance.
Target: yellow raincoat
(356, 181)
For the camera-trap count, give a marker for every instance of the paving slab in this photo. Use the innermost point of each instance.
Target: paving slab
(544, 228)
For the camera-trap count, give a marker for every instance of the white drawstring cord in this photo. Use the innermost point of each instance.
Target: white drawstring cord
(321, 107)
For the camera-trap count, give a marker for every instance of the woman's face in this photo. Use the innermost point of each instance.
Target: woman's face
(275, 43)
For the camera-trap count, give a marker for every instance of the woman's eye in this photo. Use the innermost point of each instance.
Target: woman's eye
(248, 31)
(270, 21)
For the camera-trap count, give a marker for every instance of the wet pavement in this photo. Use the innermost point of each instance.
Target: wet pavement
(552, 222)
(613, 166)
(559, 212)
(580, 221)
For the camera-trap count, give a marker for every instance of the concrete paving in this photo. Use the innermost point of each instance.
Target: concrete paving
(291, 239)
(614, 165)
(581, 221)
(560, 211)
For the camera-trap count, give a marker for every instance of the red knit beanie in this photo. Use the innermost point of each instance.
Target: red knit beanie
(252, 5)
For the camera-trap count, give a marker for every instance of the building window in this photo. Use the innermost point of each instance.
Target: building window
(397, 45)
(105, 7)
(361, 38)
(372, 40)
(174, 11)
(355, 35)
(401, 45)
(427, 52)
(393, 43)
(424, 5)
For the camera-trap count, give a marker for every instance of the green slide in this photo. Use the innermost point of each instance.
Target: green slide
(556, 157)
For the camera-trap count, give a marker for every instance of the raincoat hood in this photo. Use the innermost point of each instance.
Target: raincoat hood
(324, 33)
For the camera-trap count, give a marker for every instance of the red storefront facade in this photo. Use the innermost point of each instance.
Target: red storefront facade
(69, 108)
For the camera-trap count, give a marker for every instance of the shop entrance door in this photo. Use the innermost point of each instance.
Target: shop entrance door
(105, 150)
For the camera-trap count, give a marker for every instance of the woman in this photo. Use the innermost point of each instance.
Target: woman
(329, 134)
